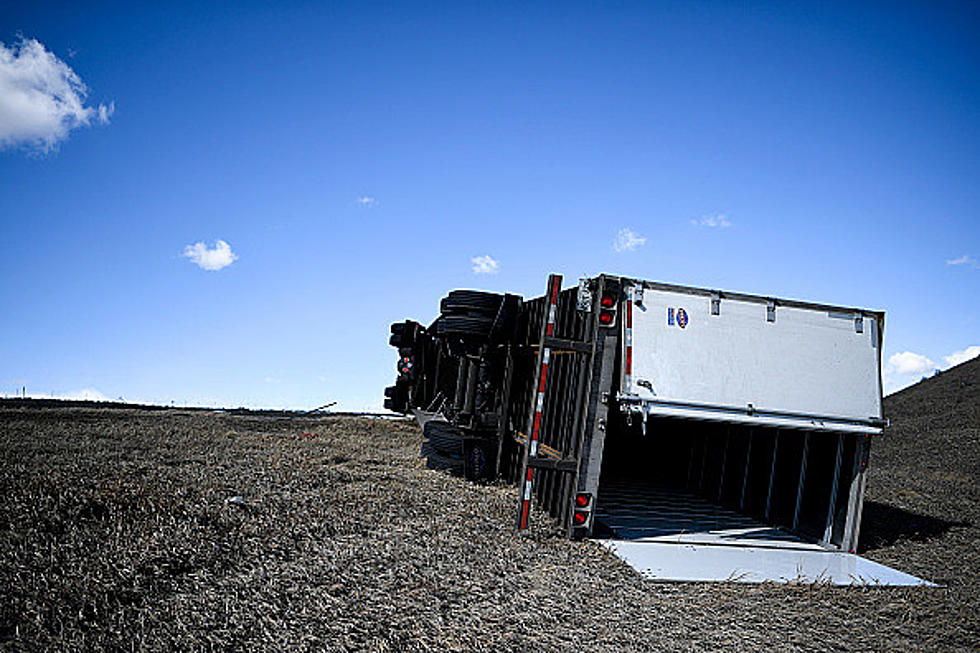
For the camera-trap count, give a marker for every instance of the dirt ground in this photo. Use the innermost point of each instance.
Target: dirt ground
(123, 528)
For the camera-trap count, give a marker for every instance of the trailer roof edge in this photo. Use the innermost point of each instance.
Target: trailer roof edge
(725, 294)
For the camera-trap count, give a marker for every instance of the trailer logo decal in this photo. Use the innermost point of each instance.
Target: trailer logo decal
(681, 318)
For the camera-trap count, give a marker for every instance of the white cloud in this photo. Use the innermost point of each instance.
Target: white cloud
(366, 201)
(958, 357)
(909, 362)
(105, 112)
(41, 98)
(718, 220)
(966, 260)
(905, 368)
(627, 240)
(210, 258)
(485, 265)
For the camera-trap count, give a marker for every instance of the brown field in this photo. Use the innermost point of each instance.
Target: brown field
(176, 529)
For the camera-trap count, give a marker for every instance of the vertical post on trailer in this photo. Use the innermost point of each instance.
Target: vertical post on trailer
(802, 480)
(772, 475)
(828, 530)
(534, 431)
(745, 476)
(504, 420)
(855, 502)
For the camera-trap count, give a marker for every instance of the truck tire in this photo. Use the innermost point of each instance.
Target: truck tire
(445, 440)
(464, 325)
(475, 463)
(403, 334)
(396, 397)
(472, 302)
(445, 463)
(446, 443)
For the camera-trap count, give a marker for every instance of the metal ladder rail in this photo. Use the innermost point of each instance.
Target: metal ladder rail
(535, 454)
(526, 479)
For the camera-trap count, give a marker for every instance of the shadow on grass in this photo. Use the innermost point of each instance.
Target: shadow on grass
(883, 525)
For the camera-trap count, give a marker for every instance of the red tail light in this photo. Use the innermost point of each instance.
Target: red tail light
(606, 317)
(579, 518)
(608, 300)
(582, 500)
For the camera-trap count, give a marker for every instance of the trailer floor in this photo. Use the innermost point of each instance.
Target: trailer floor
(668, 534)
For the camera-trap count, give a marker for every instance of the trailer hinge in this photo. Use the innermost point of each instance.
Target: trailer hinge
(716, 304)
(604, 398)
(771, 311)
(584, 296)
(638, 296)
(632, 410)
(859, 324)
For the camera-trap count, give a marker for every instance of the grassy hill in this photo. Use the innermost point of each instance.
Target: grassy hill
(174, 529)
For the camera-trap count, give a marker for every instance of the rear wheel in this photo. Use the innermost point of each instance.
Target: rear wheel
(476, 462)
(444, 438)
(396, 397)
(440, 462)
(464, 325)
(472, 302)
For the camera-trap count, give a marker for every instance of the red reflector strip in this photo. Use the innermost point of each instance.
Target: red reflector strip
(553, 291)
(526, 499)
(553, 304)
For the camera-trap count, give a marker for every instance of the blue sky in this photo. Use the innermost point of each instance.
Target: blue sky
(356, 157)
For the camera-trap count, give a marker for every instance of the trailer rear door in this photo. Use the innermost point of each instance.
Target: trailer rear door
(740, 358)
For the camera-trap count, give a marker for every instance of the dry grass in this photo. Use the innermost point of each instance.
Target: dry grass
(120, 529)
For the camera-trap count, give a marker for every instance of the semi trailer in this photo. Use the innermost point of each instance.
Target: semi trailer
(652, 413)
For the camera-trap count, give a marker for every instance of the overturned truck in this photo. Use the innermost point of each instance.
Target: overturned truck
(633, 409)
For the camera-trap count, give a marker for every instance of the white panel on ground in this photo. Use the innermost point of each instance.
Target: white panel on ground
(663, 561)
